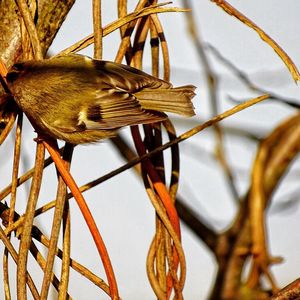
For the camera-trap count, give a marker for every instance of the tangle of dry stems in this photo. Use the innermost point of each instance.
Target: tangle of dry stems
(166, 267)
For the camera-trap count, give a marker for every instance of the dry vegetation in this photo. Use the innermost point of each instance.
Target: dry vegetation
(27, 31)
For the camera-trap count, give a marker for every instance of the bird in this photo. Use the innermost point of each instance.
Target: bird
(82, 100)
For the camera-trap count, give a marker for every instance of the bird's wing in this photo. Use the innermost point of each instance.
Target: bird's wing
(126, 78)
(110, 109)
(115, 108)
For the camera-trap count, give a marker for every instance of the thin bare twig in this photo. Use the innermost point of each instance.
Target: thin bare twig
(27, 175)
(98, 31)
(118, 24)
(53, 151)
(16, 162)
(57, 219)
(263, 35)
(212, 83)
(66, 257)
(248, 82)
(28, 279)
(31, 29)
(4, 134)
(42, 263)
(28, 221)
(290, 292)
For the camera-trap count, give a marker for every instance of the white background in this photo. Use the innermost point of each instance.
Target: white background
(126, 221)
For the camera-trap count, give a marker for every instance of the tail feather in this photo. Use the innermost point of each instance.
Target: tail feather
(175, 100)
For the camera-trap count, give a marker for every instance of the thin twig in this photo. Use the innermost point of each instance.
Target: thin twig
(28, 221)
(98, 31)
(66, 219)
(42, 263)
(31, 29)
(290, 292)
(14, 255)
(263, 35)
(27, 175)
(139, 42)
(6, 284)
(16, 163)
(212, 83)
(4, 134)
(13, 198)
(248, 82)
(118, 24)
(66, 258)
(122, 12)
(164, 45)
(51, 147)
(125, 48)
(158, 185)
(154, 42)
(150, 263)
(37, 234)
(57, 218)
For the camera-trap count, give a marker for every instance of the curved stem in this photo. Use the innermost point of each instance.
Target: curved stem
(51, 148)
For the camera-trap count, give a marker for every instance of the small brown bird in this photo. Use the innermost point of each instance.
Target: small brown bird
(81, 100)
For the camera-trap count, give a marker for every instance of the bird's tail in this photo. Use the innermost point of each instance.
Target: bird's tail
(175, 100)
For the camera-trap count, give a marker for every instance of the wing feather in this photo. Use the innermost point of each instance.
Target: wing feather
(116, 110)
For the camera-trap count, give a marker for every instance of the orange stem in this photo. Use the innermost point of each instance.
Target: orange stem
(163, 194)
(70, 182)
(157, 182)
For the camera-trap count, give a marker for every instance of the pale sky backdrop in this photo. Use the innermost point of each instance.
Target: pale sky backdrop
(126, 220)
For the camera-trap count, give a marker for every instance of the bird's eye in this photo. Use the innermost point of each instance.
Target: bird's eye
(18, 67)
(2, 124)
(12, 76)
(14, 72)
